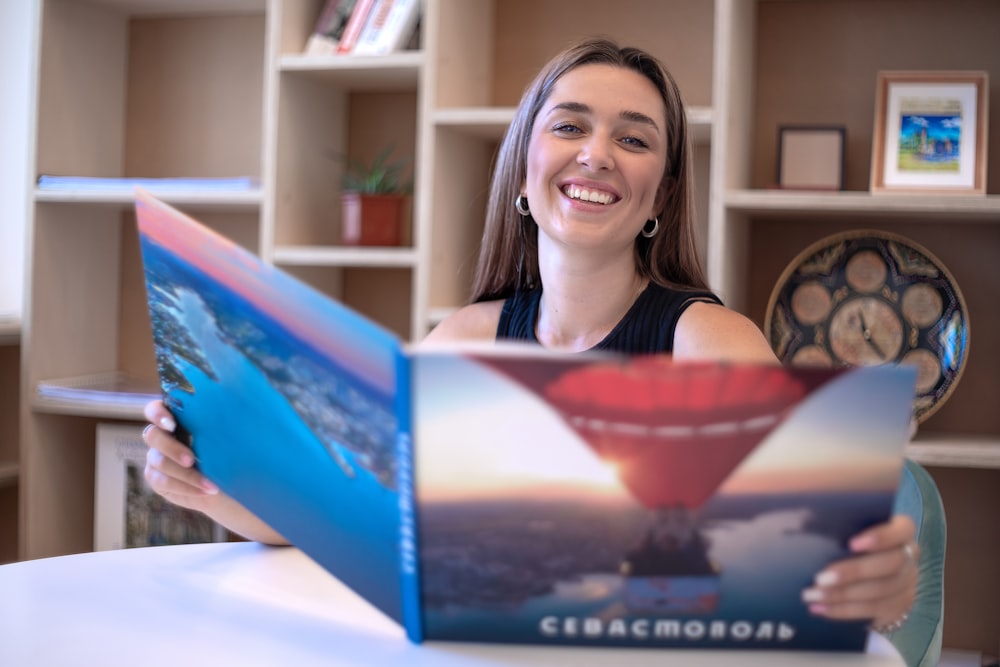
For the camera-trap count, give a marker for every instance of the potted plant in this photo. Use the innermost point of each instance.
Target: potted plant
(373, 198)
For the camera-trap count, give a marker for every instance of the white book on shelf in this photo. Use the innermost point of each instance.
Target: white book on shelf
(127, 513)
(160, 185)
(390, 26)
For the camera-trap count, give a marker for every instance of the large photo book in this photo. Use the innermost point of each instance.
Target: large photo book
(506, 493)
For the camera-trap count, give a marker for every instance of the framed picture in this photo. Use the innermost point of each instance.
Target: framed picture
(811, 157)
(127, 513)
(930, 132)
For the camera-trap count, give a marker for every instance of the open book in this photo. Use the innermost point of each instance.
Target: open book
(507, 493)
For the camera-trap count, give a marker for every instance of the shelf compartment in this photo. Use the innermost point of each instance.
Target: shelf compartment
(241, 200)
(385, 73)
(480, 122)
(114, 395)
(956, 451)
(345, 256)
(933, 208)
(10, 330)
(184, 7)
(491, 122)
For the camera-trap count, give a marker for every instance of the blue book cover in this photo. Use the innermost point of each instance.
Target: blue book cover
(505, 493)
(296, 406)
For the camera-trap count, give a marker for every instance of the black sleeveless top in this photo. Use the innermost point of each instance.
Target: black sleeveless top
(648, 326)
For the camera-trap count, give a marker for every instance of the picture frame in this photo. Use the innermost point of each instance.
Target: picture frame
(811, 157)
(129, 514)
(930, 132)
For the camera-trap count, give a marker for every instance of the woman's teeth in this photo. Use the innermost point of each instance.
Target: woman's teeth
(583, 194)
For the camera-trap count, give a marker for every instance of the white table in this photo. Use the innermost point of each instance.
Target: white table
(245, 604)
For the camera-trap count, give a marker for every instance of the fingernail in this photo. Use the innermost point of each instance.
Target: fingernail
(812, 595)
(167, 423)
(817, 609)
(187, 460)
(209, 488)
(826, 578)
(862, 543)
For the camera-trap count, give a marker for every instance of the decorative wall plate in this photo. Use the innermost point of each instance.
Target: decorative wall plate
(869, 297)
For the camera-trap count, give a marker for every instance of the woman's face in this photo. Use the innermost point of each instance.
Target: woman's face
(596, 157)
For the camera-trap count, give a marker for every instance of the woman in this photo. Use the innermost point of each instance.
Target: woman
(589, 244)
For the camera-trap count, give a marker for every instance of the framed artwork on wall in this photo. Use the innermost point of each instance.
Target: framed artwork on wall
(811, 157)
(127, 513)
(930, 133)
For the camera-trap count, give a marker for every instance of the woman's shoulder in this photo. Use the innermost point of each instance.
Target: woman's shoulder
(712, 331)
(476, 321)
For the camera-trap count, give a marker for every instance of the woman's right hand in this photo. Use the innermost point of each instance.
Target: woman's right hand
(170, 469)
(170, 472)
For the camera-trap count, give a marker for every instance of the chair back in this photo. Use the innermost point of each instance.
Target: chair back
(919, 639)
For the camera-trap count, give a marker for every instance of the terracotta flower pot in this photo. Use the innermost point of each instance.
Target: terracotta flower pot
(371, 219)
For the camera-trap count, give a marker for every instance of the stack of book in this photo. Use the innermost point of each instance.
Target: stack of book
(364, 27)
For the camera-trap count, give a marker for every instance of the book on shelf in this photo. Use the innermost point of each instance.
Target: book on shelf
(389, 27)
(354, 26)
(113, 388)
(508, 493)
(325, 37)
(154, 185)
(127, 513)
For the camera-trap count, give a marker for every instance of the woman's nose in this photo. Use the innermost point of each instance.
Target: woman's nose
(596, 153)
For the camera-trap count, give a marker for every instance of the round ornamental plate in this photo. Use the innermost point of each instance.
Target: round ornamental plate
(869, 297)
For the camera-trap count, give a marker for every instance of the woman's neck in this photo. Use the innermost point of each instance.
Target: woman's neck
(583, 301)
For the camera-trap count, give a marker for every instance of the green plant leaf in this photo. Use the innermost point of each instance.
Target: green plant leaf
(380, 176)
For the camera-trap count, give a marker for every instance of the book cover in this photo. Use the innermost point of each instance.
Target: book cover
(304, 390)
(355, 25)
(511, 494)
(329, 28)
(389, 27)
(644, 501)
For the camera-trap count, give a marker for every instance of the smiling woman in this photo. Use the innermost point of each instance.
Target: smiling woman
(589, 244)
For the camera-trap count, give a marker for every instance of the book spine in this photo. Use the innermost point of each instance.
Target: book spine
(399, 26)
(409, 563)
(352, 31)
(374, 32)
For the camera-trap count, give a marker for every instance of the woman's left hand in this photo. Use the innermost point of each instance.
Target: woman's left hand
(879, 582)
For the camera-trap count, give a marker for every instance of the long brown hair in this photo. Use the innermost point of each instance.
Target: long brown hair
(508, 257)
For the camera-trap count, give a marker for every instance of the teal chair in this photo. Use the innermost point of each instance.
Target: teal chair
(919, 640)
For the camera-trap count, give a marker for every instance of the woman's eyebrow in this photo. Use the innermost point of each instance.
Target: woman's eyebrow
(639, 117)
(631, 116)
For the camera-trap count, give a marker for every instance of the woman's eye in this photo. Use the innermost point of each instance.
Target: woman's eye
(635, 142)
(568, 128)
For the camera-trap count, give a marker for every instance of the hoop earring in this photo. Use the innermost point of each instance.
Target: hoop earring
(521, 204)
(650, 233)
